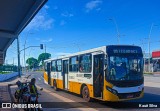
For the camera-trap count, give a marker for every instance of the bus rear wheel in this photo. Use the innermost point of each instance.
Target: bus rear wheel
(85, 94)
(55, 85)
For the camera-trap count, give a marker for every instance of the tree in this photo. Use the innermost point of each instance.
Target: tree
(32, 62)
(43, 56)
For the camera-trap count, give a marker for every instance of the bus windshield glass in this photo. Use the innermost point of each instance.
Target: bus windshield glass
(125, 68)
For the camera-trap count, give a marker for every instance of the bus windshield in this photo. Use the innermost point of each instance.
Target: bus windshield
(125, 68)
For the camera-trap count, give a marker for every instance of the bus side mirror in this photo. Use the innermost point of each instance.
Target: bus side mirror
(105, 68)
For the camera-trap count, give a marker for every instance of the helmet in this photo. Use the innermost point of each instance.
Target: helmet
(18, 83)
(33, 80)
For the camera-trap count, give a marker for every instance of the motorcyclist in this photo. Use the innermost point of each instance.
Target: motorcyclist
(32, 87)
(18, 92)
(33, 90)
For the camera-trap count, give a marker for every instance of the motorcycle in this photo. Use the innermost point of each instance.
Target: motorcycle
(22, 89)
(32, 99)
(22, 94)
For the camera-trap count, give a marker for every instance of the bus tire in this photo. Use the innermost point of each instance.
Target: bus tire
(85, 94)
(55, 85)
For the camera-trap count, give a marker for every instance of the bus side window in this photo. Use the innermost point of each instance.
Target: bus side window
(59, 65)
(73, 64)
(53, 67)
(85, 63)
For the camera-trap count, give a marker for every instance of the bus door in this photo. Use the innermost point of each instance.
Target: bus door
(98, 75)
(65, 74)
(49, 72)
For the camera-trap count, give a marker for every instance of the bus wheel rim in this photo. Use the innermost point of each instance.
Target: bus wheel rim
(86, 93)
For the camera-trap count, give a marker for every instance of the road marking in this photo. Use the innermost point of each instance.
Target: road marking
(66, 99)
(42, 77)
(39, 78)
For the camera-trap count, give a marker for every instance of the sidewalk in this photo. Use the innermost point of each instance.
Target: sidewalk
(5, 93)
(5, 96)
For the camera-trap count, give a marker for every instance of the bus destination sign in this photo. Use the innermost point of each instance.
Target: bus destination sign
(125, 51)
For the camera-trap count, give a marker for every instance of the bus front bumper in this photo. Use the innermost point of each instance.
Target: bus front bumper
(109, 96)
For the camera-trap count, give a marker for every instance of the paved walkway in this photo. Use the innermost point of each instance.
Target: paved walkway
(5, 96)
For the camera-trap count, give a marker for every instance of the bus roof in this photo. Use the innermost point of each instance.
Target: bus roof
(123, 45)
(102, 48)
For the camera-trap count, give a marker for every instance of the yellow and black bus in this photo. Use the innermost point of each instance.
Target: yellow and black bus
(108, 73)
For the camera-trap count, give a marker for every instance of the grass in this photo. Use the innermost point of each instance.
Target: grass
(2, 72)
(40, 71)
(148, 73)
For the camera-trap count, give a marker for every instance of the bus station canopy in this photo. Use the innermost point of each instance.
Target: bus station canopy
(15, 15)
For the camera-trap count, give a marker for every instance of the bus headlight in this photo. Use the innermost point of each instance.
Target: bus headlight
(111, 90)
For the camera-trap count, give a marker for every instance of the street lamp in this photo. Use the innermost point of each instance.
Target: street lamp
(118, 34)
(142, 43)
(24, 50)
(143, 50)
(149, 36)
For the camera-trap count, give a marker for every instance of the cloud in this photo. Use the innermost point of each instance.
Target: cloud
(47, 40)
(41, 21)
(62, 22)
(46, 7)
(67, 14)
(93, 5)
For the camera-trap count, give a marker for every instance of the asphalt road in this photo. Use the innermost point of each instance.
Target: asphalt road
(69, 101)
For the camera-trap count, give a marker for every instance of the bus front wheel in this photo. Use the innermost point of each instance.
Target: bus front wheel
(85, 94)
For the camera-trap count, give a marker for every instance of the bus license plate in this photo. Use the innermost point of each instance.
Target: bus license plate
(129, 96)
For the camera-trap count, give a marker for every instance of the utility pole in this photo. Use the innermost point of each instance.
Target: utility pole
(22, 64)
(149, 36)
(143, 50)
(45, 51)
(149, 46)
(24, 59)
(18, 52)
(118, 33)
(13, 60)
(25, 52)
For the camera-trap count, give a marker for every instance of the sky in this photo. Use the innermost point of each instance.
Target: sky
(68, 26)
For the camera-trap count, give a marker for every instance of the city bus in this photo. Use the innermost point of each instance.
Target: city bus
(107, 73)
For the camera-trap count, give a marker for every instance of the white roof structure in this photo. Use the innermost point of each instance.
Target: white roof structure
(15, 15)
